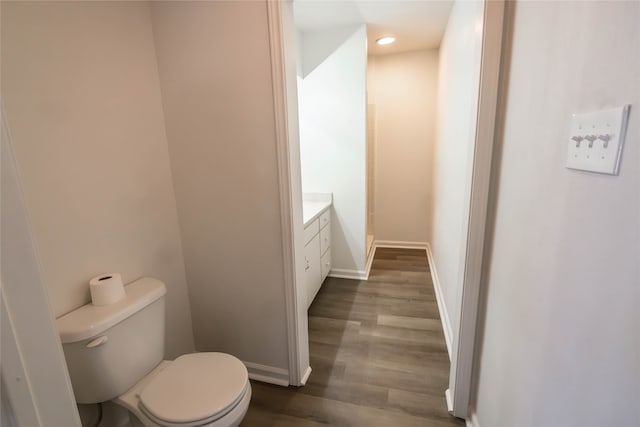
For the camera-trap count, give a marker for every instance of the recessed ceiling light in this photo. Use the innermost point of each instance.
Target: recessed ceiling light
(385, 40)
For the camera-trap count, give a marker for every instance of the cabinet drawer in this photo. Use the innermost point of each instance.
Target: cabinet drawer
(325, 238)
(325, 218)
(325, 266)
(311, 230)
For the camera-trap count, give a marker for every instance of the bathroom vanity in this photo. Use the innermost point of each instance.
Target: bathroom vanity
(316, 210)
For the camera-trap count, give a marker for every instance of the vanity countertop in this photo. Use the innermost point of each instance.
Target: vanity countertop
(313, 205)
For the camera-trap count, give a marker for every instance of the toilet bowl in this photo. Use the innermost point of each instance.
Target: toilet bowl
(199, 389)
(115, 353)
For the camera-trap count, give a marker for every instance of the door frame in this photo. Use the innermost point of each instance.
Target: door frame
(464, 349)
(459, 394)
(34, 370)
(285, 99)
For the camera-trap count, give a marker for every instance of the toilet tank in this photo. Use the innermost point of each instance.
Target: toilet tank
(110, 348)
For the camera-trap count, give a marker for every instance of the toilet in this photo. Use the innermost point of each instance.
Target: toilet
(115, 353)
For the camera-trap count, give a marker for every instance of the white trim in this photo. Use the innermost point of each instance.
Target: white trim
(367, 267)
(34, 336)
(267, 374)
(462, 366)
(20, 395)
(447, 397)
(364, 274)
(472, 421)
(348, 274)
(442, 308)
(399, 244)
(290, 200)
(306, 375)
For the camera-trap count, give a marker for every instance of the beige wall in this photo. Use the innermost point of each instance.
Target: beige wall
(80, 87)
(215, 73)
(403, 88)
(561, 339)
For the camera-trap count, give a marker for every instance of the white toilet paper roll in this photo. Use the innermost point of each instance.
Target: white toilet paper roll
(106, 289)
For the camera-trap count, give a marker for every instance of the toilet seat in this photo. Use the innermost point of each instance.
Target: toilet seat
(194, 390)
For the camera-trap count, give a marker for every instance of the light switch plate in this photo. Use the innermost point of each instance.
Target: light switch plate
(596, 140)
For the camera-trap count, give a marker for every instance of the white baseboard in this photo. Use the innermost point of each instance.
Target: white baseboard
(472, 421)
(442, 308)
(348, 274)
(305, 377)
(364, 274)
(389, 244)
(399, 244)
(267, 374)
(372, 254)
(447, 396)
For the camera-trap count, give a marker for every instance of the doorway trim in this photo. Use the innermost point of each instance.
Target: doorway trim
(35, 372)
(280, 21)
(461, 378)
(464, 349)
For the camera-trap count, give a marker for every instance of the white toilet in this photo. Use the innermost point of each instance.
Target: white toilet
(115, 353)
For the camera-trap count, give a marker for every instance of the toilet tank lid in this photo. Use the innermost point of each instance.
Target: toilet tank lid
(90, 320)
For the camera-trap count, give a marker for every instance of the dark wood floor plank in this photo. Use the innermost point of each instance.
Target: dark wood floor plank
(421, 405)
(408, 322)
(377, 351)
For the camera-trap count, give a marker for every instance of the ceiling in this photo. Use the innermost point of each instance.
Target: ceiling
(416, 24)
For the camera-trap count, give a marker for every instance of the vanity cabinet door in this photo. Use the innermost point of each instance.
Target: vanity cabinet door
(312, 273)
(325, 238)
(325, 265)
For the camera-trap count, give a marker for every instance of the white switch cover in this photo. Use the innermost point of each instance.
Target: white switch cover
(596, 140)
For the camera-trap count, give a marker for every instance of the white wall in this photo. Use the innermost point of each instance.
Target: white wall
(215, 74)
(332, 99)
(561, 339)
(458, 80)
(403, 88)
(80, 87)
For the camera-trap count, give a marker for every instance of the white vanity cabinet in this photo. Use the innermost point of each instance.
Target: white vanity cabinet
(317, 253)
(312, 272)
(325, 244)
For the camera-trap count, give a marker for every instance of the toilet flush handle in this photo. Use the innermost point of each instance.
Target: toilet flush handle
(97, 342)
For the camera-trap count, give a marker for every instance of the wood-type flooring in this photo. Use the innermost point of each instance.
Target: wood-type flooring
(377, 351)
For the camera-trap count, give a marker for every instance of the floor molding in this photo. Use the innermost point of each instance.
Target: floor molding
(399, 244)
(268, 374)
(348, 274)
(306, 375)
(447, 396)
(372, 254)
(364, 274)
(442, 308)
(472, 421)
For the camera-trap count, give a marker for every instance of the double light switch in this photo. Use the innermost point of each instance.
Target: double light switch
(596, 140)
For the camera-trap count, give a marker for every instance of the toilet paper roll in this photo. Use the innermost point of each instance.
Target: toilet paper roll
(106, 289)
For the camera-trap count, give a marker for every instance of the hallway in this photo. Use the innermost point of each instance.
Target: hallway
(377, 351)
